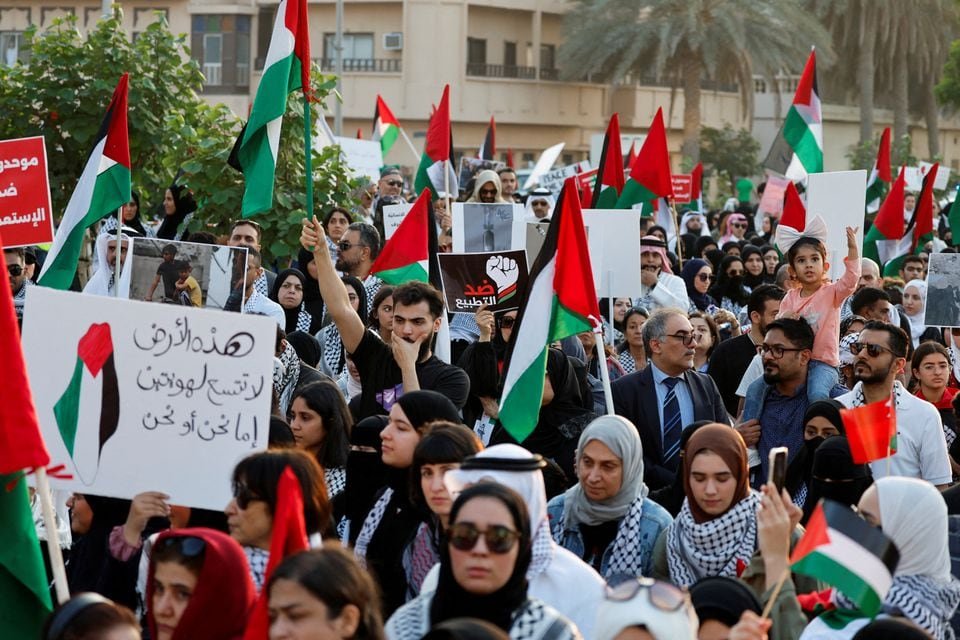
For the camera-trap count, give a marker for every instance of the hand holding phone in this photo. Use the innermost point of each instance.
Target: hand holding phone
(777, 468)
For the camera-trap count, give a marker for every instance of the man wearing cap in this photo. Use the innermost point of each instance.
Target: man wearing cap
(556, 576)
(659, 288)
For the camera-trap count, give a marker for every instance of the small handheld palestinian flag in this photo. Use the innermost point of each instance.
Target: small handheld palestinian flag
(610, 178)
(884, 239)
(846, 552)
(797, 151)
(871, 430)
(406, 256)
(880, 176)
(386, 127)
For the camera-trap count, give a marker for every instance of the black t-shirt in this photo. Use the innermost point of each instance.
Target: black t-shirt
(169, 273)
(382, 380)
(728, 363)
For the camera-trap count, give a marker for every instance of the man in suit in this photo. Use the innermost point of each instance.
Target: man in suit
(667, 395)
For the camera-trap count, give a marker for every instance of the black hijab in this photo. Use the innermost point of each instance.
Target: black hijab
(723, 599)
(702, 301)
(306, 346)
(292, 315)
(312, 301)
(366, 474)
(749, 280)
(835, 476)
(453, 601)
(184, 205)
(726, 287)
(357, 286)
(801, 467)
(136, 223)
(702, 243)
(90, 552)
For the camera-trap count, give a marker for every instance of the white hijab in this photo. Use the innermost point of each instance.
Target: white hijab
(99, 283)
(914, 515)
(916, 321)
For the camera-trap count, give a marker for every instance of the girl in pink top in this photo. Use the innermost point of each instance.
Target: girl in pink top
(817, 300)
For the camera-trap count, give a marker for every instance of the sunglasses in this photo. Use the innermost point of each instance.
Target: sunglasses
(662, 595)
(740, 225)
(14, 270)
(873, 350)
(488, 192)
(345, 245)
(188, 546)
(499, 539)
(244, 496)
(734, 274)
(704, 277)
(539, 203)
(507, 322)
(395, 183)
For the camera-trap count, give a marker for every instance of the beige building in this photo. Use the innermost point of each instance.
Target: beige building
(499, 57)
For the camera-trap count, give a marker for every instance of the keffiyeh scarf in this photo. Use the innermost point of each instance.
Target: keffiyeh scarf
(334, 357)
(928, 602)
(718, 547)
(286, 372)
(370, 525)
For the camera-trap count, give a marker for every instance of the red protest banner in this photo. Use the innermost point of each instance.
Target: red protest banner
(587, 178)
(682, 187)
(26, 214)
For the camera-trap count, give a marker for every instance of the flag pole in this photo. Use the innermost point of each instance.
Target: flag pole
(53, 538)
(604, 372)
(610, 305)
(413, 149)
(676, 230)
(308, 153)
(119, 253)
(776, 592)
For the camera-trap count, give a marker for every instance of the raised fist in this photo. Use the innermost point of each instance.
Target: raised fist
(503, 271)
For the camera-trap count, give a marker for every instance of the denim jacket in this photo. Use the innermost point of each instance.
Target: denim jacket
(652, 521)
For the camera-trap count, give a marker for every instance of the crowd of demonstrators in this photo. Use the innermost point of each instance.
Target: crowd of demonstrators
(655, 522)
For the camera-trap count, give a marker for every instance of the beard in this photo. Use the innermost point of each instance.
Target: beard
(771, 376)
(343, 265)
(870, 376)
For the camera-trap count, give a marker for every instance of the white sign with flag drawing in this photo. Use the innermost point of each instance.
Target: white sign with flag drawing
(135, 397)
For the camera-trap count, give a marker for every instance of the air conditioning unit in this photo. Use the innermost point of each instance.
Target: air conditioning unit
(393, 41)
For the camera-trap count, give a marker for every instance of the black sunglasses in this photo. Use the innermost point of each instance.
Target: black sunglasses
(344, 245)
(873, 350)
(188, 546)
(395, 183)
(244, 496)
(498, 538)
(507, 322)
(14, 270)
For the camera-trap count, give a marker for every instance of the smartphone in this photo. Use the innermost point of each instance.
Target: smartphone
(777, 468)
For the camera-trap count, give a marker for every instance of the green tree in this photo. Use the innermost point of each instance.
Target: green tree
(687, 42)
(63, 92)
(729, 154)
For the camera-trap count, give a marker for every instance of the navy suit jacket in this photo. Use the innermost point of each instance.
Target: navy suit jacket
(635, 398)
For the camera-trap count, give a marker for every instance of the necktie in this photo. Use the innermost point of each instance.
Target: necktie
(671, 425)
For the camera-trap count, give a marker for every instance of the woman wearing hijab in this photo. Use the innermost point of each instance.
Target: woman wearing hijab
(606, 518)
(178, 209)
(835, 476)
(729, 290)
(312, 301)
(334, 359)
(392, 522)
(720, 602)
(620, 308)
(912, 513)
(131, 219)
(821, 421)
(288, 293)
(914, 295)
(697, 274)
(483, 570)
(366, 476)
(562, 415)
(483, 362)
(704, 244)
(92, 518)
(754, 269)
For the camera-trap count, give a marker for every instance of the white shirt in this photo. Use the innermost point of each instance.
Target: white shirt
(261, 304)
(671, 291)
(921, 445)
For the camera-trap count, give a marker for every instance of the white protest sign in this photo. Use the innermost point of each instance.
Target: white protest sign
(913, 179)
(544, 162)
(480, 226)
(943, 175)
(363, 156)
(393, 215)
(135, 397)
(839, 197)
(613, 237)
(553, 179)
(626, 139)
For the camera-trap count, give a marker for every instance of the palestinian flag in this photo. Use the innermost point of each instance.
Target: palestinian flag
(798, 148)
(696, 188)
(631, 157)
(488, 150)
(289, 536)
(286, 69)
(610, 178)
(87, 419)
(650, 179)
(561, 301)
(924, 213)
(436, 166)
(386, 127)
(871, 430)
(846, 552)
(884, 239)
(509, 157)
(880, 176)
(794, 214)
(104, 187)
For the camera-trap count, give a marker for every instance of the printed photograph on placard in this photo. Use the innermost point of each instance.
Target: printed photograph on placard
(487, 227)
(188, 274)
(942, 307)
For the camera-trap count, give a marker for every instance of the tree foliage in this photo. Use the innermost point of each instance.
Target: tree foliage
(729, 154)
(862, 155)
(63, 92)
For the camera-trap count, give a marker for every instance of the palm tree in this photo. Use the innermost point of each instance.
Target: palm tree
(688, 41)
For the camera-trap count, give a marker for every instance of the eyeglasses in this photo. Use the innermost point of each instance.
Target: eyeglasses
(873, 350)
(395, 183)
(662, 595)
(14, 270)
(686, 338)
(344, 245)
(244, 496)
(507, 322)
(704, 277)
(188, 546)
(774, 350)
(499, 539)
(740, 225)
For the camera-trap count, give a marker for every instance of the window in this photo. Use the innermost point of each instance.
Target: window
(221, 46)
(476, 51)
(548, 56)
(13, 48)
(509, 54)
(356, 46)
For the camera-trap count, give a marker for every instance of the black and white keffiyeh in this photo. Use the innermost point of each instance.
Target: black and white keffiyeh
(370, 525)
(713, 548)
(336, 479)
(257, 558)
(542, 551)
(304, 319)
(286, 372)
(260, 285)
(334, 356)
(625, 558)
(927, 601)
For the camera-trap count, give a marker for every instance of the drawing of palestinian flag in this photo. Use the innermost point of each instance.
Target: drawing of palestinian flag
(846, 552)
(87, 419)
(561, 301)
(650, 179)
(103, 187)
(610, 176)
(386, 127)
(798, 148)
(880, 176)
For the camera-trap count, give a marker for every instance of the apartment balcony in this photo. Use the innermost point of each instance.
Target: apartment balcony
(483, 70)
(363, 65)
